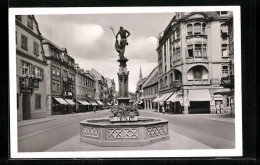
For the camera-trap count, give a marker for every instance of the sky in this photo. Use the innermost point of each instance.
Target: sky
(90, 41)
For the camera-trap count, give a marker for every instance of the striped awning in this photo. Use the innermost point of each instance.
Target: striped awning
(164, 97)
(84, 102)
(155, 100)
(70, 101)
(176, 98)
(60, 100)
(99, 102)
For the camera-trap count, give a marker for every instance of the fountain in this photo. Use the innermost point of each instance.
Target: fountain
(124, 127)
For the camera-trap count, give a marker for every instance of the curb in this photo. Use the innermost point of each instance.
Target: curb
(36, 122)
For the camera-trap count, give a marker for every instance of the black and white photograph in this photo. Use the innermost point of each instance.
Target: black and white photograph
(122, 82)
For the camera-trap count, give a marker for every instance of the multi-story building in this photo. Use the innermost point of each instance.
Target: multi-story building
(192, 58)
(85, 90)
(30, 69)
(150, 88)
(111, 85)
(139, 89)
(101, 92)
(60, 78)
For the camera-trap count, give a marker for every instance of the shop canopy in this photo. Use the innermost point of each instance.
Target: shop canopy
(155, 100)
(83, 102)
(176, 98)
(199, 95)
(99, 102)
(60, 100)
(70, 101)
(164, 97)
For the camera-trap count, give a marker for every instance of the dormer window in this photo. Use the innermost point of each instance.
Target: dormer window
(224, 13)
(30, 22)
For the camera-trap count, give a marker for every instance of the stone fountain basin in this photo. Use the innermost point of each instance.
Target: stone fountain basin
(142, 132)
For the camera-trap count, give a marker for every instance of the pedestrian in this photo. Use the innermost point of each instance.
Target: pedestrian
(217, 107)
(94, 109)
(163, 110)
(221, 108)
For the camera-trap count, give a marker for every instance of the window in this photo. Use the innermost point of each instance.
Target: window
(37, 71)
(190, 50)
(53, 87)
(53, 69)
(224, 71)
(165, 81)
(26, 67)
(58, 87)
(164, 52)
(35, 48)
(30, 22)
(189, 29)
(69, 75)
(222, 13)
(204, 50)
(178, 54)
(37, 101)
(24, 44)
(177, 33)
(197, 28)
(65, 73)
(198, 50)
(165, 68)
(19, 17)
(224, 50)
(72, 77)
(58, 71)
(203, 28)
(197, 72)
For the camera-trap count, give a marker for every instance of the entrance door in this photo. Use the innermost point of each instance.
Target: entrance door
(26, 107)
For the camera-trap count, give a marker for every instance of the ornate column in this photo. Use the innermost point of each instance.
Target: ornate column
(123, 96)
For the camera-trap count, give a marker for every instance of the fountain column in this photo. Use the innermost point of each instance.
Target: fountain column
(123, 97)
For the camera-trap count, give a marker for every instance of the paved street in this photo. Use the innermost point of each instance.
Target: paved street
(61, 133)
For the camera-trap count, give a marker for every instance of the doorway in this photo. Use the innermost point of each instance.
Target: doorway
(26, 107)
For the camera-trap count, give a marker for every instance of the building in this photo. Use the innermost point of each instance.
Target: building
(192, 58)
(111, 85)
(60, 79)
(133, 99)
(101, 92)
(150, 90)
(139, 89)
(228, 81)
(85, 90)
(30, 69)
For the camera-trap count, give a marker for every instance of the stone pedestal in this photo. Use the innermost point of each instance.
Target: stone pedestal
(123, 97)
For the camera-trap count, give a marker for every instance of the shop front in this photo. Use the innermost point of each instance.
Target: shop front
(71, 106)
(199, 101)
(94, 105)
(59, 106)
(175, 103)
(83, 105)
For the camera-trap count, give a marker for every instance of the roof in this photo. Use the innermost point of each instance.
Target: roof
(152, 78)
(96, 73)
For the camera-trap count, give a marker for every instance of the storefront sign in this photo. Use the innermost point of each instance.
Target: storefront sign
(215, 81)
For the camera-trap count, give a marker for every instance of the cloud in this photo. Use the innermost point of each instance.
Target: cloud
(86, 33)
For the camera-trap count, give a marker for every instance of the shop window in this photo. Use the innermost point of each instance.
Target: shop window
(197, 72)
(24, 43)
(35, 48)
(37, 101)
(190, 50)
(224, 50)
(30, 22)
(197, 28)
(224, 71)
(19, 17)
(189, 29)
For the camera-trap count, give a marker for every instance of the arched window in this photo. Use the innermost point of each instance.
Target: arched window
(171, 78)
(177, 33)
(197, 72)
(197, 28)
(189, 29)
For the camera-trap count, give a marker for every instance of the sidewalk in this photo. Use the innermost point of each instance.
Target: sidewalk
(52, 117)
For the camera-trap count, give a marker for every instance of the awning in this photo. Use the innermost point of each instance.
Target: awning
(99, 102)
(70, 101)
(91, 101)
(164, 97)
(155, 100)
(60, 100)
(176, 98)
(199, 95)
(84, 102)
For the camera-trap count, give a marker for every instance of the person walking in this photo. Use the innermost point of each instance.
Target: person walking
(221, 108)
(163, 110)
(94, 109)
(217, 108)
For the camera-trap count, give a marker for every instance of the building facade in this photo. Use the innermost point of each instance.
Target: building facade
(139, 89)
(85, 90)
(30, 69)
(192, 58)
(60, 79)
(111, 85)
(150, 90)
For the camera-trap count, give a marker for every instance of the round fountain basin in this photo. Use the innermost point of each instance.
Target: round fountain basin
(142, 132)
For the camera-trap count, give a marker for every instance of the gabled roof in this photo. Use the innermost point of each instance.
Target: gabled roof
(152, 78)
(96, 73)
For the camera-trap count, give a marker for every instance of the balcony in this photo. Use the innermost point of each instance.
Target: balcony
(197, 36)
(199, 82)
(176, 84)
(192, 59)
(29, 82)
(228, 82)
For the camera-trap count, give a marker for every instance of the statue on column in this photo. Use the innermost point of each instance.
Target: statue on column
(120, 46)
